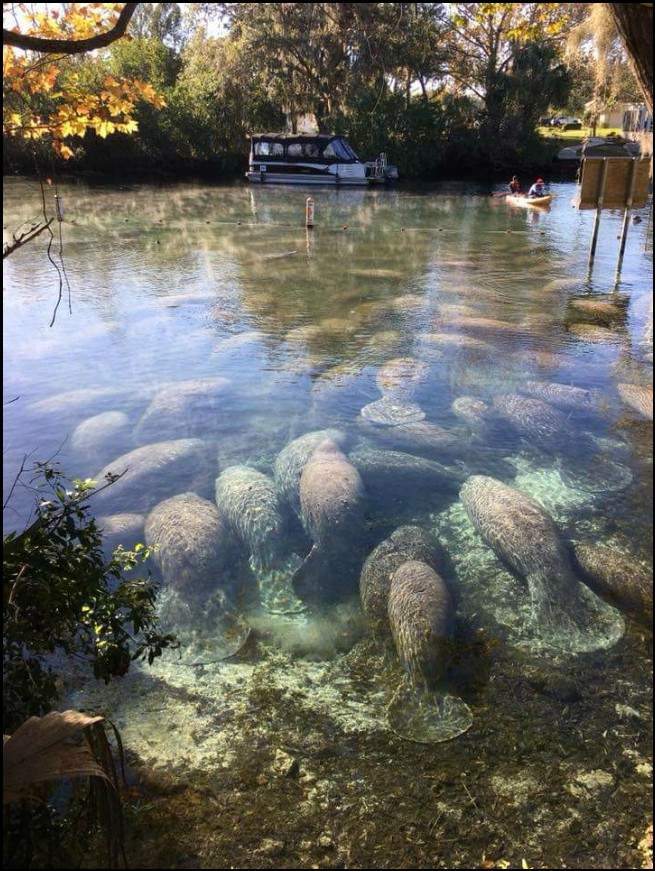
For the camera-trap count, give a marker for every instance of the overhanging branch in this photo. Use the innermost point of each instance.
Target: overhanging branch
(71, 46)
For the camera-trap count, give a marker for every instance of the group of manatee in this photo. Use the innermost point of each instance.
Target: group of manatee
(310, 520)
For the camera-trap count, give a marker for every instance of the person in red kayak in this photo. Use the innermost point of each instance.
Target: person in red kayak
(538, 189)
(514, 185)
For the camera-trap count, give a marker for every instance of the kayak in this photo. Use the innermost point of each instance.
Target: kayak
(526, 202)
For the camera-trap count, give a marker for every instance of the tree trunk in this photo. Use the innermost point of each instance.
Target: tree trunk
(634, 22)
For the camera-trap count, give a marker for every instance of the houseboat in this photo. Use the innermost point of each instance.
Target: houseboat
(322, 159)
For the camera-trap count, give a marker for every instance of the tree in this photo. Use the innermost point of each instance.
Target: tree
(45, 97)
(634, 22)
(486, 38)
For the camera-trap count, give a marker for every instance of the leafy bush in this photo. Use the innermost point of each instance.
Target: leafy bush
(64, 598)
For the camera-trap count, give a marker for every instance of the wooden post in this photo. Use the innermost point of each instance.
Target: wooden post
(626, 218)
(309, 213)
(599, 208)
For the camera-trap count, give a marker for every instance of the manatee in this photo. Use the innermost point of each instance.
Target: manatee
(594, 333)
(392, 411)
(563, 396)
(192, 540)
(249, 501)
(618, 575)
(120, 529)
(601, 311)
(185, 408)
(404, 544)
(394, 474)
(638, 397)
(399, 378)
(533, 419)
(454, 340)
(471, 410)
(101, 436)
(419, 438)
(421, 619)
(481, 324)
(525, 538)
(76, 403)
(332, 507)
(292, 460)
(153, 473)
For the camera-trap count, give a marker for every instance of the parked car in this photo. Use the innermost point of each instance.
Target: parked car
(567, 122)
(598, 146)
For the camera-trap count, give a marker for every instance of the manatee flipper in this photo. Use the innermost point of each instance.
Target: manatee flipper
(427, 717)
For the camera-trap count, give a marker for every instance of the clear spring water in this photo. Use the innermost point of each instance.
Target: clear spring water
(172, 283)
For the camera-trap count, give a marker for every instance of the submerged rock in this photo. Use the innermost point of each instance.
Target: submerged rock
(249, 501)
(392, 411)
(153, 473)
(400, 378)
(618, 575)
(421, 619)
(332, 505)
(404, 544)
(638, 397)
(186, 408)
(563, 396)
(292, 459)
(453, 340)
(192, 540)
(101, 436)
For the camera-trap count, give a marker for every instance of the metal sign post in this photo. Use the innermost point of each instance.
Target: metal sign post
(599, 208)
(626, 219)
(613, 183)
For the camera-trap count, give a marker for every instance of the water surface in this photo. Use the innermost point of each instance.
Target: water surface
(184, 282)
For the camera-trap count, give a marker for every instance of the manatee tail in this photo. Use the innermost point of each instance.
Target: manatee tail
(308, 580)
(427, 717)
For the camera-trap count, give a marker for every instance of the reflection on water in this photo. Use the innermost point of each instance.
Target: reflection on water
(423, 339)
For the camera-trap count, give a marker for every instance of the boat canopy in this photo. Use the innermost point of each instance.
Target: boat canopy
(313, 149)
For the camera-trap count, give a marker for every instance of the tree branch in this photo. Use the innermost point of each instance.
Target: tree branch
(71, 46)
(27, 236)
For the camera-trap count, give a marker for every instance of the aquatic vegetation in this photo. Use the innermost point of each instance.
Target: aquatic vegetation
(599, 310)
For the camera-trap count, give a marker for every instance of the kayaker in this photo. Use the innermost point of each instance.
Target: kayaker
(514, 185)
(538, 189)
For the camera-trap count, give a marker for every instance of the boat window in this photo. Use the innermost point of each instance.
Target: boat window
(269, 149)
(311, 149)
(294, 149)
(340, 149)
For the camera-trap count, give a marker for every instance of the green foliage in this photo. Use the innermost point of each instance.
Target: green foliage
(63, 598)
